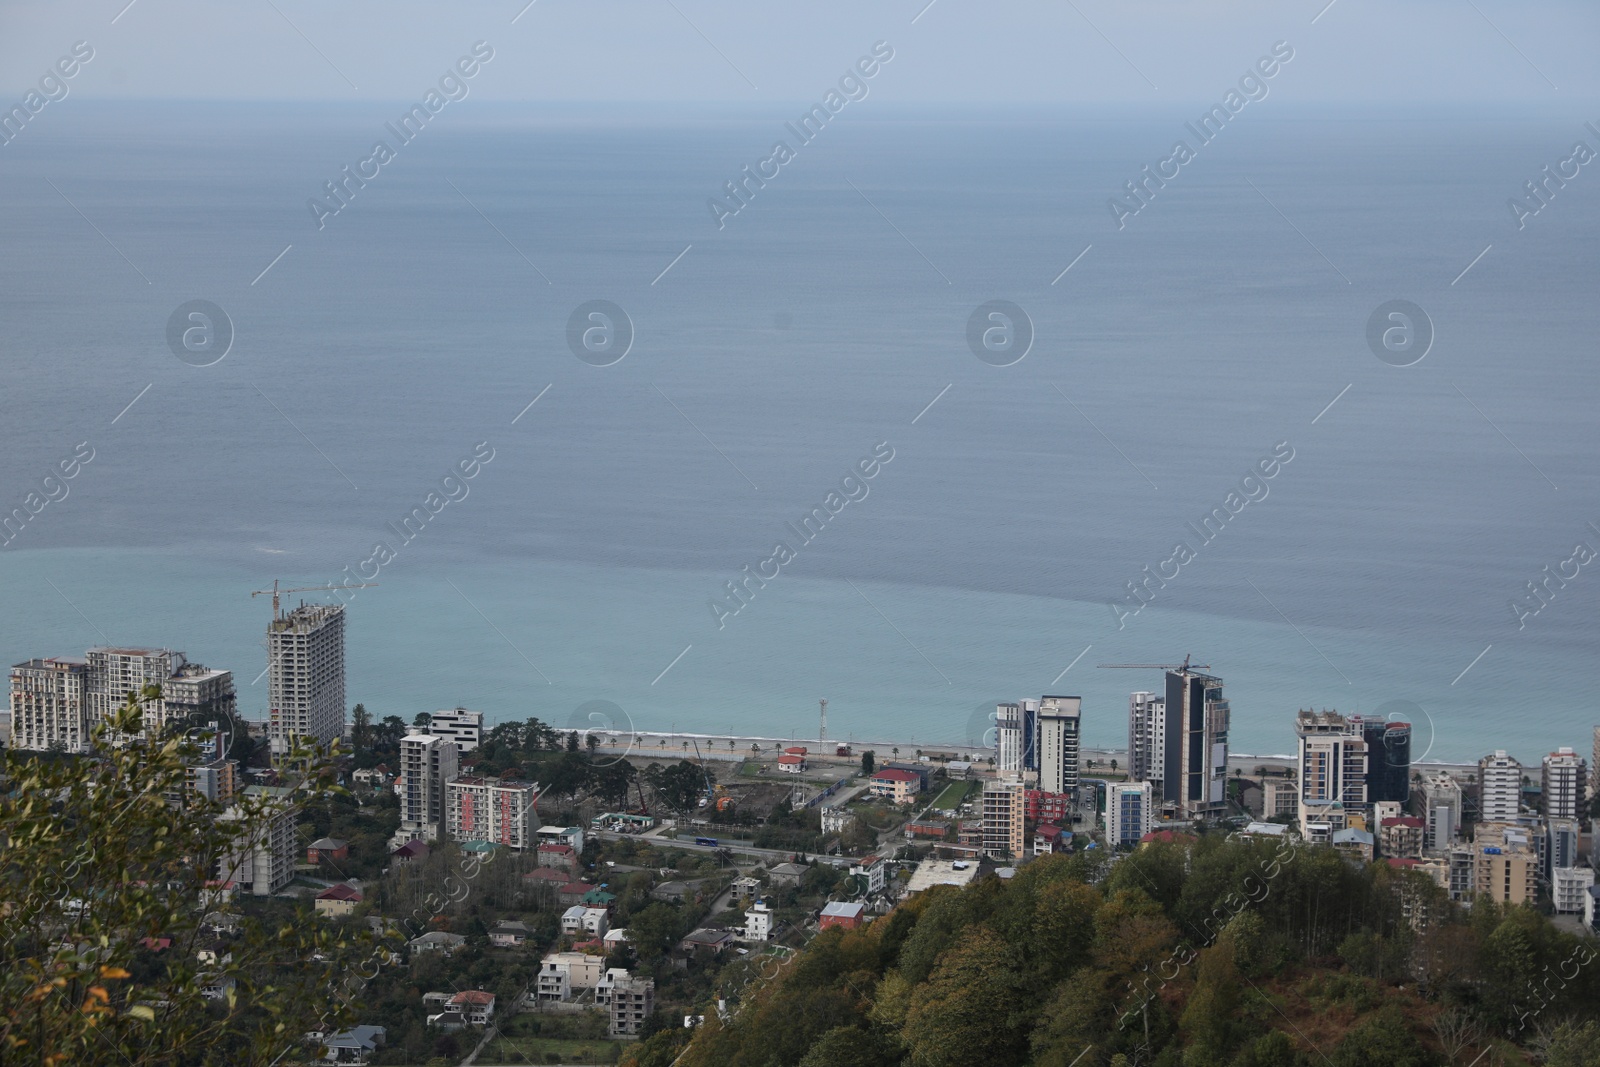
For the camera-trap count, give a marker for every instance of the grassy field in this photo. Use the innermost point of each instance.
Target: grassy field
(549, 1050)
(954, 793)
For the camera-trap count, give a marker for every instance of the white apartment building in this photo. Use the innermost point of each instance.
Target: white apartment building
(1563, 779)
(305, 676)
(563, 973)
(427, 764)
(463, 727)
(1059, 722)
(1569, 886)
(47, 705)
(194, 692)
(500, 810)
(1499, 788)
(1147, 736)
(116, 672)
(1333, 772)
(1008, 738)
(1129, 812)
(263, 863)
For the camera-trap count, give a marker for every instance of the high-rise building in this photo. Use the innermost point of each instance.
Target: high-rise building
(305, 676)
(47, 705)
(1129, 812)
(1562, 779)
(1194, 774)
(1003, 804)
(1594, 765)
(1333, 772)
(1441, 810)
(1059, 721)
(1388, 760)
(116, 672)
(500, 810)
(427, 764)
(1499, 788)
(1008, 738)
(463, 727)
(1030, 734)
(1147, 737)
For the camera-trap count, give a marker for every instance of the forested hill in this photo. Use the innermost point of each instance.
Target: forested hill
(1212, 953)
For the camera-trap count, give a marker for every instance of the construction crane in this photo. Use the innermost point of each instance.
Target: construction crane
(1184, 666)
(274, 593)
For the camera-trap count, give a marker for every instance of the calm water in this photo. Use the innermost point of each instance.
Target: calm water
(377, 352)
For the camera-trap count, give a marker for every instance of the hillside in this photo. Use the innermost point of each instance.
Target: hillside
(1213, 953)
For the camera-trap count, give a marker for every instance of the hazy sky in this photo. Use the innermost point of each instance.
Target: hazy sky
(993, 51)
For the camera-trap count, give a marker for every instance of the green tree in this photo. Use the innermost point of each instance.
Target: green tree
(1382, 1040)
(678, 787)
(361, 729)
(1573, 1045)
(869, 762)
(972, 1011)
(97, 860)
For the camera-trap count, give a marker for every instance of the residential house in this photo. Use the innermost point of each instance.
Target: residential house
(339, 900)
(873, 872)
(900, 787)
(354, 1046)
(745, 889)
(436, 941)
(614, 940)
(561, 974)
(470, 1007)
(787, 873)
(791, 762)
(558, 856)
(1357, 843)
(328, 848)
(410, 852)
(758, 922)
(1048, 838)
(844, 914)
(509, 934)
(1402, 836)
(560, 835)
(573, 893)
(580, 919)
(706, 941)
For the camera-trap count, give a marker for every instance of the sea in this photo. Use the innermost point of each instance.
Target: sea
(773, 355)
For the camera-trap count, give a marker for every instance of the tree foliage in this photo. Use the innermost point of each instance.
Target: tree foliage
(105, 877)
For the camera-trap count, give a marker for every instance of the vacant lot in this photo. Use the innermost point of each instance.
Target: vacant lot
(954, 794)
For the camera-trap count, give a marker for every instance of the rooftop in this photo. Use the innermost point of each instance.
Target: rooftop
(896, 775)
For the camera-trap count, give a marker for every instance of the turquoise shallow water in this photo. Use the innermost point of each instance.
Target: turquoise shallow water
(774, 355)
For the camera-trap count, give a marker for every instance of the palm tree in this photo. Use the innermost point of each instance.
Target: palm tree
(1113, 766)
(896, 751)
